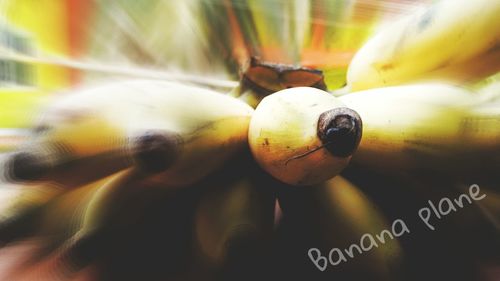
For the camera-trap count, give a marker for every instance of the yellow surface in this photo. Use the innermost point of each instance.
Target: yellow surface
(46, 22)
(18, 107)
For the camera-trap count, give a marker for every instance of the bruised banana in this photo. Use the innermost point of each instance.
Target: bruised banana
(425, 42)
(179, 132)
(421, 126)
(303, 135)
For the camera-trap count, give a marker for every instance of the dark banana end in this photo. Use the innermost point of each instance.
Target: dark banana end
(340, 131)
(155, 152)
(27, 166)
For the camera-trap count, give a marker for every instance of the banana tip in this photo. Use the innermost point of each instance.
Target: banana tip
(156, 151)
(340, 131)
(25, 166)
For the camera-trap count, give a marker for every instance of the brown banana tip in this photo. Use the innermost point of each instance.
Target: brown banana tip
(25, 166)
(156, 151)
(340, 131)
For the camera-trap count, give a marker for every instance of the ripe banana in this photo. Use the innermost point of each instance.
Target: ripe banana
(75, 237)
(337, 214)
(45, 209)
(426, 42)
(20, 208)
(231, 218)
(489, 89)
(290, 128)
(68, 213)
(468, 72)
(179, 132)
(248, 96)
(421, 126)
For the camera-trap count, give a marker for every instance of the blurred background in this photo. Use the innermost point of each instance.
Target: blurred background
(47, 46)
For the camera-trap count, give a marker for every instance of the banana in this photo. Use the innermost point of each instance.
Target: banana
(69, 213)
(425, 42)
(234, 217)
(489, 89)
(179, 132)
(422, 126)
(404, 196)
(20, 208)
(90, 216)
(483, 124)
(290, 128)
(233, 220)
(467, 73)
(111, 196)
(337, 214)
(248, 96)
(482, 139)
(45, 208)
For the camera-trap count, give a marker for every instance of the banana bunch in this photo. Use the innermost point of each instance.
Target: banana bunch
(214, 186)
(146, 126)
(305, 136)
(429, 126)
(450, 40)
(145, 123)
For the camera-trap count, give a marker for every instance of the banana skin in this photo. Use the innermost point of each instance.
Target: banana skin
(303, 135)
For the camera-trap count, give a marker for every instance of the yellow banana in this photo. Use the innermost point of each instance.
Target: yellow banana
(465, 73)
(66, 214)
(20, 208)
(303, 135)
(327, 219)
(421, 126)
(44, 208)
(231, 217)
(427, 41)
(248, 96)
(74, 225)
(489, 89)
(482, 143)
(180, 132)
(112, 195)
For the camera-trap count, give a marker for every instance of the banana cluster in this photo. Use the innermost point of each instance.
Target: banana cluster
(235, 165)
(96, 152)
